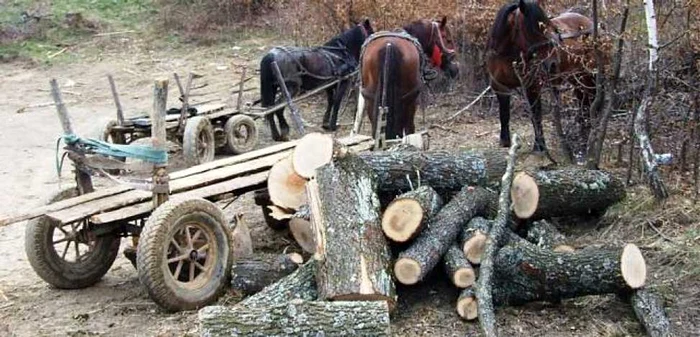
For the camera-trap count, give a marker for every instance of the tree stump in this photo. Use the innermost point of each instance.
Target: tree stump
(547, 194)
(250, 275)
(458, 269)
(407, 215)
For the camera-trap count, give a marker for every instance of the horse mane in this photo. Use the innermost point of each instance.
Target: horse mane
(347, 37)
(500, 29)
(535, 15)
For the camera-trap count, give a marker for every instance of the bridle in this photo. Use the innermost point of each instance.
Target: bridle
(439, 48)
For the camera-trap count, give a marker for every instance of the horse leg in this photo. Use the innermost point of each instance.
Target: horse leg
(337, 100)
(504, 114)
(329, 107)
(273, 126)
(284, 126)
(536, 116)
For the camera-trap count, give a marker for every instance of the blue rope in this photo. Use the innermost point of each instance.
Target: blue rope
(145, 153)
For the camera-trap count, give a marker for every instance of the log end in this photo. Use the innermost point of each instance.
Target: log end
(474, 247)
(564, 249)
(464, 277)
(313, 151)
(467, 308)
(407, 271)
(633, 266)
(286, 187)
(296, 258)
(402, 219)
(524, 195)
(303, 234)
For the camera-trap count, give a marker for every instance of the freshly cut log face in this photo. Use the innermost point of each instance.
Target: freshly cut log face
(547, 194)
(313, 151)
(467, 306)
(458, 268)
(473, 238)
(405, 216)
(286, 187)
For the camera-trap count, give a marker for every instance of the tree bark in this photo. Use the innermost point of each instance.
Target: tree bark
(407, 215)
(458, 269)
(250, 275)
(442, 170)
(301, 285)
(525, 273)
(298, 318)
(543, 234)
(546, 194)
(354, 257)
(425, 252)
(650, 311)
(473, 238)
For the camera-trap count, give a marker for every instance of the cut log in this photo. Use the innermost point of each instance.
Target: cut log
(300, 227)
(286, 188)
(407, 215)
(313, 151)
(353, 253)
(442, 170)
(650, 312)
(425, 252)
(242, 242)
(458, 269)
(250, 275)
(547, 194)
(467, 306)
(299, 285)
(473, 238)
(526, 273)
(543, 234)
(298, 318)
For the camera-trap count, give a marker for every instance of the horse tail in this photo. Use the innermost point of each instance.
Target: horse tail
(389, 94)
(268, 81)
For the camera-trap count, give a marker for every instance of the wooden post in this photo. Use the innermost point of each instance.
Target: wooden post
(120, 112)
(185, 105)
(82, 178)
(239, 100)
(296, 116)
(161, 187)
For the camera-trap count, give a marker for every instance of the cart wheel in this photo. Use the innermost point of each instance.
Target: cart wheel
(241, 134)
(198, 143)
(106, 133)
(71, 256)
(184, 254)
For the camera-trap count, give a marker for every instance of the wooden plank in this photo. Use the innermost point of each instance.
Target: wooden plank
(142, 209)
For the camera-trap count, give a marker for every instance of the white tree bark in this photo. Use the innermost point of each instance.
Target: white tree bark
(651, 29)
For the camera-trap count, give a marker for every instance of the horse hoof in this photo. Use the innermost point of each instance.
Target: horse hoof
(505, 143)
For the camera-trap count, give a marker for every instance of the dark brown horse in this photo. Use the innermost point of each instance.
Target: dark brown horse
(393, 61)
(527, 50)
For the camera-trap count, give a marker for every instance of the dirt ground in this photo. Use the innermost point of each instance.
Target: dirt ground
(119, 305)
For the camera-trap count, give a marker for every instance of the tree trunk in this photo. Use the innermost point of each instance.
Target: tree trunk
(354, 257)
(525, 273)
(298, 318)
(467, 306)
(650, 311)
(250, 275)
(458, 269)
(425, 252)
(543, 234)
(473, 238)
(407, 215)
(442, 170)
(546, 194)
(301, 285)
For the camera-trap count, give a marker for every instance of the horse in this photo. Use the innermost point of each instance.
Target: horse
(307, 68)
(547, 50)
(394, 61)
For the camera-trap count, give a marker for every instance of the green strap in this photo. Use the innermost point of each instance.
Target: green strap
(145, 153)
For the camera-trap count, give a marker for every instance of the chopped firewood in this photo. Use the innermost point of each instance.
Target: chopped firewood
(458, 269)
(353, 254)
(286, 187)
(649, 309)
(407, 215)
(252, 274)
(425, 252)
(473, 238)
(543, 234)
(298, 318)
(547, 194)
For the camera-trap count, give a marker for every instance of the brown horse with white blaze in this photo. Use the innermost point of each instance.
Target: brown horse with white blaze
(545, 51)
(393, 64)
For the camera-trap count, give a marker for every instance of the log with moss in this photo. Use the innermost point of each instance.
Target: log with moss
(425, 251)
(547, 194)
(649, 309)
(354, 256)
(544, 234)
(406, 216)
(298, 318)
(458, 269)
(251, 274)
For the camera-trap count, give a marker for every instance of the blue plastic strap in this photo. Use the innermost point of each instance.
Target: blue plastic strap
(145, 153)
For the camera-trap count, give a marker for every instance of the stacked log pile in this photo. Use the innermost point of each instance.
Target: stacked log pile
(458, 211)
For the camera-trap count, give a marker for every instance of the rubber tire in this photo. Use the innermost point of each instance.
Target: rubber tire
(51, 268)
(193, 128)
(104, 134)
(233, 124)
(155, 238)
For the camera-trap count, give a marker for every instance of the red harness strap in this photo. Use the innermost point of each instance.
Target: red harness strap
(436, 57)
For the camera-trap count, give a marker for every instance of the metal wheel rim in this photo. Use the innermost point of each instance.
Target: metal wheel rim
(191, 255)
(72, 240)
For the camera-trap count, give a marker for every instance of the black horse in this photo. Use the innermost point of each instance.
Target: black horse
(308, 68)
